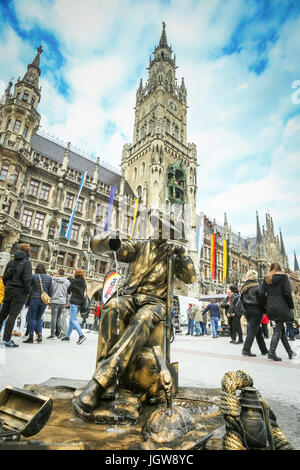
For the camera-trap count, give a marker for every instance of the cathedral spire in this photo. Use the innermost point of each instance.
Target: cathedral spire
(296, 265)
(36, 61)
(282, 249)
(163, 39)
(33, 73)
(258, 231)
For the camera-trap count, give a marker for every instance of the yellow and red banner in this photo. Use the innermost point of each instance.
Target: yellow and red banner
(136, 208)
(213, 256)
(225, 256)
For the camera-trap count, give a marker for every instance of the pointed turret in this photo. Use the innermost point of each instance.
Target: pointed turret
(282, 249)
(19, 119)
(283, 252)
(163, 39)
(258, 231)
(296, 265)
(33, 73)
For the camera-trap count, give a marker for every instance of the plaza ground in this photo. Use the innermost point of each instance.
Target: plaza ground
(203, 361)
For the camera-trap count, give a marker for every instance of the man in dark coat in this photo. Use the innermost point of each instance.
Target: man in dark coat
(279, 306)
(215, 315)
(236, 316)
(17, 279)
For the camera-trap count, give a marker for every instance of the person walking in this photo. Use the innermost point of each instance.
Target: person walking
(215, 315)
(225, 305)
(279, 304)
(190, 318)
(203, 323)
(17, 279)
(17, 330)
(253, 302)
(77, 290)
(58, 302)
(236, 315)
(2, 289)
(264, 326)
(41, 282)
(197, 320)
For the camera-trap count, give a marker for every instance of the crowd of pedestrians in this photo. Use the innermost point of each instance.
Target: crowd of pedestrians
(27, 294)
(269, 303)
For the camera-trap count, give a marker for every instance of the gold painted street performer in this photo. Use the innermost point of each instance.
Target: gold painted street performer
(129, 318)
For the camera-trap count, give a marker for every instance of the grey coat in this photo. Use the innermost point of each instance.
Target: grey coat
(60, 286)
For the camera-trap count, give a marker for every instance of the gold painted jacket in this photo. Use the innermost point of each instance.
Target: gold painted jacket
(147, 272)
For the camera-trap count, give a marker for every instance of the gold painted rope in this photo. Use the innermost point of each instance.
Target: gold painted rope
(229, 407)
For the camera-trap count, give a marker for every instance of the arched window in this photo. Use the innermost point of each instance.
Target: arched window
(143, 168)
(176, 132)
(135, 173)
(168, 126)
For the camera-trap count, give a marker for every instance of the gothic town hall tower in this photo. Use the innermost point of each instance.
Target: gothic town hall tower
(160, 166)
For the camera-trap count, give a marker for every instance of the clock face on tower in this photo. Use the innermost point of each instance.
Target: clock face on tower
(173, 106)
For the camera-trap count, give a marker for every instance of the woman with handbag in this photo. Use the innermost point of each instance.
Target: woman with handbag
(40, 297)
(77, 289)
(280, 304)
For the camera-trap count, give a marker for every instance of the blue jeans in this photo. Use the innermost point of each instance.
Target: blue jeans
(35, 312)
(191, 326)
(198, 328)
(74, 323)
(203, 327)
(214, 326)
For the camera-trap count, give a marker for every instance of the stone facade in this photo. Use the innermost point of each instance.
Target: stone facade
(40, 178)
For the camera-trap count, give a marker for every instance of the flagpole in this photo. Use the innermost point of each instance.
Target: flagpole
(69, 230)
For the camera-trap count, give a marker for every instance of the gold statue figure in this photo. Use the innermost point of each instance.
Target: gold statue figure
(131, 320)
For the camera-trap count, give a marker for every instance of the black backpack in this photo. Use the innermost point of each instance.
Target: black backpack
(239, 307)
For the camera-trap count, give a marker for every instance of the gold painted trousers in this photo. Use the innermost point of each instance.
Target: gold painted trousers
(123, 333)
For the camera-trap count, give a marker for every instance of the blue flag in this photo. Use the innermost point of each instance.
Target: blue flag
(110, 206)
(69, 231)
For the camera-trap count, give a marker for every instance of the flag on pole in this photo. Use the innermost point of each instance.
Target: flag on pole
(213, 256)
(200, 236)
(225, 259)
(69, 230)
(110, 206)
(136, 209)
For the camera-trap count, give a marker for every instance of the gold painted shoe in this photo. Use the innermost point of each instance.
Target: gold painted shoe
(109, 393)
(88, 399)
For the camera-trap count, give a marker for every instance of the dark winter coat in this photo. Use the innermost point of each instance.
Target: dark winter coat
(77, 290)
(214, 310)
(36, 290)
(279, 301)
(253, 298)
(233, 300)
(20, 278)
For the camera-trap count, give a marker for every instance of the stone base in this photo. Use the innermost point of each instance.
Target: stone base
(67, 430)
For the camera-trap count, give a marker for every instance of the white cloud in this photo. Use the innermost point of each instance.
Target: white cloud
(247, 148)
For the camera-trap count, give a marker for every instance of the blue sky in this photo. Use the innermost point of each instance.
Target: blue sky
(240, 62)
